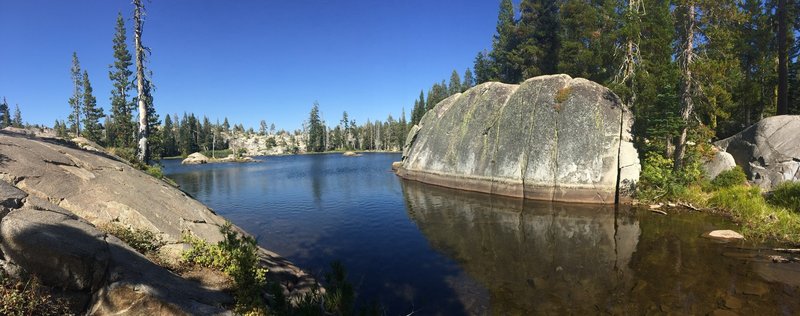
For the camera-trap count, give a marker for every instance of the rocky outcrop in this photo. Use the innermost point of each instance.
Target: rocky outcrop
(551, 138)
(54, 193)
(195, 159)
(96, 272)
(768, 151)
(266, 145)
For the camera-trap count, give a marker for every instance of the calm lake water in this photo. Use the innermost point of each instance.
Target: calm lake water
(417, 248)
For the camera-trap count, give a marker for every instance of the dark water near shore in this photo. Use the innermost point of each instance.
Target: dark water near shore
(415, 247)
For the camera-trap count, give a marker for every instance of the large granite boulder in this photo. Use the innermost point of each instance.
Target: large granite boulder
(722, 161)
(550, 138)
(768, 151)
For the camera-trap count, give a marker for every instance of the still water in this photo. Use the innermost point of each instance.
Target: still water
(417, 248)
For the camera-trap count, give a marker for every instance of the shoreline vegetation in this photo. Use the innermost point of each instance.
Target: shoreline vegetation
(762, 216)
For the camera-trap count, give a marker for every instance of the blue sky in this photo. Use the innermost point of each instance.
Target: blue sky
(247, 60)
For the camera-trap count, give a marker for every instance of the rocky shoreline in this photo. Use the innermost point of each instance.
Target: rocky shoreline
(55, 194)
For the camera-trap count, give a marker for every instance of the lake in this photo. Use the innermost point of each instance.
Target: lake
(413, 247)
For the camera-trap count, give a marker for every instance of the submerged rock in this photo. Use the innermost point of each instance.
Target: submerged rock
(195, 159)
(551, 138)
(725, 234)
(768, 151)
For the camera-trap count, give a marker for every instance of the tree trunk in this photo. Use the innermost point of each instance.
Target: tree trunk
(686, 86)
(783, 59)
(143, 154)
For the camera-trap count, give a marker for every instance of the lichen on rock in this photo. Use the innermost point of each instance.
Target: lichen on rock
(550, 138)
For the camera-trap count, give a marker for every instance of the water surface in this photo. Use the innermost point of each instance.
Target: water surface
(418, 248)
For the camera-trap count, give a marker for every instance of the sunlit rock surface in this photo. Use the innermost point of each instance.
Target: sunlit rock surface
(768, 151)
(551, 138)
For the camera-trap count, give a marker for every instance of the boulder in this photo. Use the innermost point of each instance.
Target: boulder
(351, 154)
(550, 138)
(98, 272)
(722, 161)
(195, 159)
(768, 151)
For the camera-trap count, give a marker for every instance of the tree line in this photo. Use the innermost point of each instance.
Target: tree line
(692, 71)
(388, 135)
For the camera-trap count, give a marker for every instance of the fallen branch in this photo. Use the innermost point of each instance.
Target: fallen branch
(659, 212)
(690, 206)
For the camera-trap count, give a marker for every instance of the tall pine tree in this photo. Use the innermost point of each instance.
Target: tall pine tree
(91, 113)
(75, 101)
(120, 130)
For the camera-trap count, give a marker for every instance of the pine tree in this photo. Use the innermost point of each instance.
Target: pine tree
(17, 120)
(120, 129)
(484, 68)
(77, 95)
(91, 113)
(170, 147)
(468, 81)
(504, 43)
(586, 40)
(538, 50)
(455, 83)
(5, 116)
(784, 40)
(316, 131)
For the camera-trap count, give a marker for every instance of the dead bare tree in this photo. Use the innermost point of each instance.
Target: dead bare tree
(138, 13)
(686, 58)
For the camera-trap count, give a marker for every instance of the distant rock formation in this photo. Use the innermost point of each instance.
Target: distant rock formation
(266, 145)
(195, 159)
(53, 193)
(768, 151)
(550, 138)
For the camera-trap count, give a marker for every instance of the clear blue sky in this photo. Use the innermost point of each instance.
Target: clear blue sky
(247, 60)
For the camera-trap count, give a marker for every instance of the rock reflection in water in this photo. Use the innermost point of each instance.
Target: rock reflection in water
(546, 258)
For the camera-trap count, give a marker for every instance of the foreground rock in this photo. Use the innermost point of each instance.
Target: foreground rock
(195, 159)
(551, 138)
(54, 193)
(768, 151)
(724, 234)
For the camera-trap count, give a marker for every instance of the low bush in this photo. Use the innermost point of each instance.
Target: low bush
(144, 241)
(22, 298)
(729, 178)
(786, 195)
(236, 256)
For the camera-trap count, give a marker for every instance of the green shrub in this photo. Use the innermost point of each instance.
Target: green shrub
(659, 181)
(786, 195)
(18, 298)
(729, 178)
(144, 241)
(236, 256)
(155, 171)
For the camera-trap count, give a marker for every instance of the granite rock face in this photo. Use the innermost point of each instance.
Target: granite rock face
(53, 193)
(721, 161)
(768, 151)
(550, 138)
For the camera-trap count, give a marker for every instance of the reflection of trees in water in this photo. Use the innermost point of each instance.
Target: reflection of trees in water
(537, 257)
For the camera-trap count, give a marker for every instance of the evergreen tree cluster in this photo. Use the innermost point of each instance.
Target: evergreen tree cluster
(388, 135)
(6, 119)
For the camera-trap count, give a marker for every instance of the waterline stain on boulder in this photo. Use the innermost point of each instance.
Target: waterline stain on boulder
(550, 138)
